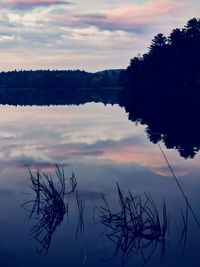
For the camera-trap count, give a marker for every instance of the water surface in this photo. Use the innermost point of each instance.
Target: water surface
(100, 146)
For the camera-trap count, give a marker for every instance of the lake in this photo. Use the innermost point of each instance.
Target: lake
(102, 148)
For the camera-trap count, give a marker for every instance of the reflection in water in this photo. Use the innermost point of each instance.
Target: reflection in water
(136, 226)
(175, 125)
(177, 128)
(180, 188)
(48, 207)
(183, 237)
(81, 207)
(133, 229)
(102, 147)
(29, 97)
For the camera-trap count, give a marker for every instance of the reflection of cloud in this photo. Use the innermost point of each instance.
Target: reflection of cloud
(124, 151)
(88, 153)
(88, 195)
(98, 149)
(29, 162)
(6, 193)
(89, 134)
(165, 171)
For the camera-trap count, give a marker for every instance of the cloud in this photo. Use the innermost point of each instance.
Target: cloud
(30, 4)
(134, 18)
(56, 34)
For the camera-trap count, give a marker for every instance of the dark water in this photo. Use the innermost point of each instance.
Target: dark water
(101, 147)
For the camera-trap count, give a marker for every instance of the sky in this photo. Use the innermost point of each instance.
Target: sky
(84, 34)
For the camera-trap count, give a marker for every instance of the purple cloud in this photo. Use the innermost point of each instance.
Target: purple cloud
(129, 18)
(30, 4)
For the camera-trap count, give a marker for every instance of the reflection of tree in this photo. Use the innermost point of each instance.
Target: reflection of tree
(58, 96)
(177, 129)
(136, 227)
(162, 89)
(48, 208)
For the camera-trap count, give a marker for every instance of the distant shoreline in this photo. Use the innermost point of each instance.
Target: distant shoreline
(68, 80)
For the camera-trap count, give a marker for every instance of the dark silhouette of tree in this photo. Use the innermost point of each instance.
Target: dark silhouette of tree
(66, 79)
(176, 36)
(162, 89)
(158, 41)
(193, 27)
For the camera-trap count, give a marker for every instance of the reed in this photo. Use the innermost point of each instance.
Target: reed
(136, 225)
(48, 207)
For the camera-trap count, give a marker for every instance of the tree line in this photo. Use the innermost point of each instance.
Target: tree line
(162, 89)
(169, 72)
(66, 79)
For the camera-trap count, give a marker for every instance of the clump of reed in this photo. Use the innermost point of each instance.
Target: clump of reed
(48, 207)
(136, 226)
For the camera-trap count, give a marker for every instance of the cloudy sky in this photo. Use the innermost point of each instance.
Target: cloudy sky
(84, 34)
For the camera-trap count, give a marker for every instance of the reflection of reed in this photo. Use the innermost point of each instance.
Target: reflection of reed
(48, 207)
(136, 226)
(180, 187)
(183, 238)
(81, 207)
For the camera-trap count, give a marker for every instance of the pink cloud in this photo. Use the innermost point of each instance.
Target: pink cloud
(131, 18)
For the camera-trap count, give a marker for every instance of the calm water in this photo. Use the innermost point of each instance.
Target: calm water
(101, 147)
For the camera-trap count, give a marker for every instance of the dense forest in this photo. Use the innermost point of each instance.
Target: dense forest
(162, 89)
(66, 79)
